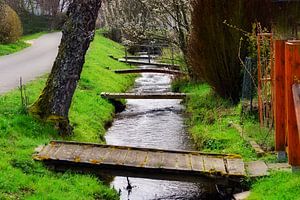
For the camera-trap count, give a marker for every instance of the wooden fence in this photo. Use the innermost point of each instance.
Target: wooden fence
(287, 100)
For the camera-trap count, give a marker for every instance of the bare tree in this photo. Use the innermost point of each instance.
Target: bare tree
(141, 19)
(42, 7)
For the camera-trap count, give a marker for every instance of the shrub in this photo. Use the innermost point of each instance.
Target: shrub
(10, 24)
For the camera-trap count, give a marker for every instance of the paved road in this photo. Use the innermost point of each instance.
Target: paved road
(29, 63)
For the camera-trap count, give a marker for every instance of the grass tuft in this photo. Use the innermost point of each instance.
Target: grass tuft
(210, 122)
(279, 185)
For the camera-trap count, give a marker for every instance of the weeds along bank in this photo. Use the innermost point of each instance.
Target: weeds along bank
(20, 134)
(210, 121)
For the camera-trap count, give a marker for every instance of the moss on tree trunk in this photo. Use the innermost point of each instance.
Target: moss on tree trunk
(78, 32)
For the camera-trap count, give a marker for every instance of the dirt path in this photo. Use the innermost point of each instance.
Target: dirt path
(29, 63)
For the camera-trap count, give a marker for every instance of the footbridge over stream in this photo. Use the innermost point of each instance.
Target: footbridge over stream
(186, 166)
(150, 70)
(167, 95)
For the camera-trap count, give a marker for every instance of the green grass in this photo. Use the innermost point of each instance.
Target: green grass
(177, 55)
(20, 134)
(278, 186)
(6, 49)
(32, 36)
(210, 122)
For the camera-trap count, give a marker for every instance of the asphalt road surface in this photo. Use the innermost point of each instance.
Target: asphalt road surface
(29, 63)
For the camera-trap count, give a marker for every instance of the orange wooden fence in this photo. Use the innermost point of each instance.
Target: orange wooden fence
(279, 95)
(292, 72)
(286, 99)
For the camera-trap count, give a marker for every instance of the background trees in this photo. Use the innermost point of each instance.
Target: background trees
(40, 15)
(138, 20)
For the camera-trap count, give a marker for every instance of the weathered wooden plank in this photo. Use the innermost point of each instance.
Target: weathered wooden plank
(183, 162)
(257, 169)
(85, 154)
(44, 151)
(138, 162)
(236, 167)
(279, 166)
(149, 70)
(54, 148)
(168, 95)
(65, 152)
(170, 160)
(76, 154)
(137, 62)
(145, 57)
(88, 145)
(97, 155)
(154, 160)
(116, 157)
(135, 158)
(214, 165)
(197, 163)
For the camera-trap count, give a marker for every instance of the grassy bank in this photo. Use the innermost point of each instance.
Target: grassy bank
(211, 121)
(279, 185)
(210, 124)
(6, 49)
(20, 176)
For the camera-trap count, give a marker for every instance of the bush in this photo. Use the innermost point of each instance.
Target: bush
(10, 24)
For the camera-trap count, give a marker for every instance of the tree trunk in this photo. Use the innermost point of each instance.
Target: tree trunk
(54, 103)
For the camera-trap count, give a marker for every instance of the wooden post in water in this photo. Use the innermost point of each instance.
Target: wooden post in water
(292, 75)
(279, 99)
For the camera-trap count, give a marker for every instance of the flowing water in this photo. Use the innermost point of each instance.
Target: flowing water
(152, 124)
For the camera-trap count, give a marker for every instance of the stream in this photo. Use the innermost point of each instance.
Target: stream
(152, 124)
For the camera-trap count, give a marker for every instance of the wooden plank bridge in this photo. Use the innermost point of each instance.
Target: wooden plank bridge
(149, 70)
(142, 57)
(168, 95)
(188, 166)
(137, 62)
